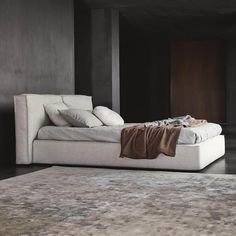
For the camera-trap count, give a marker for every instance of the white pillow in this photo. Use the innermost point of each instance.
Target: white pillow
(82, 102)
(81, 118)
(107, 116)
(52, 109)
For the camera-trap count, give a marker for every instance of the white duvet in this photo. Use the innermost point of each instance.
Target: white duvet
(112, 133)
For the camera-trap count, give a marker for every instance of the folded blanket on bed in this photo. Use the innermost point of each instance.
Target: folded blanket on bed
(195, 123)
(185, 121)
(141, 142)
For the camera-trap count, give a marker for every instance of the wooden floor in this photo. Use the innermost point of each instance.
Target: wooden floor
(225, 165)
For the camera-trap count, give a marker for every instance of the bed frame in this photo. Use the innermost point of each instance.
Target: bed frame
(30, 116)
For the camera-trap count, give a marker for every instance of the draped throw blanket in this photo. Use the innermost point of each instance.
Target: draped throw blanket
(140, 142)
(147, 141)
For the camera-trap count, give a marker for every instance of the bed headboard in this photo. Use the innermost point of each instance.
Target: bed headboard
(30, 116)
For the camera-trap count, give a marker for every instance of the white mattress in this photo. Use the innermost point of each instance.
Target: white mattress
(112, 133)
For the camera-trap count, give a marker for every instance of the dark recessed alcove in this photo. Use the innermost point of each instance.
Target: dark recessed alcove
(174, 64)
(144, 75)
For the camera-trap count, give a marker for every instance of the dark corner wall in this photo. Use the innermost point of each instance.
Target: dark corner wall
(36, 56)
(230, 76)
(145, 75)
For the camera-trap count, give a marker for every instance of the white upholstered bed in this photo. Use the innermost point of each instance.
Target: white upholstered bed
(37, 141)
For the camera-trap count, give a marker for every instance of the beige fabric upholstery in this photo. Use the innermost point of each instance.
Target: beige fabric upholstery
(30, 116)
(188, 157)
(78, 102)
(107, 116)
(52, 110)
(80, 118)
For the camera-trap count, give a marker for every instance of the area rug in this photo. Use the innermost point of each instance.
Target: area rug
(92, 201)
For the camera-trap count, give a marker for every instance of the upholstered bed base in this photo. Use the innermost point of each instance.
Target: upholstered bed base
(188, 157)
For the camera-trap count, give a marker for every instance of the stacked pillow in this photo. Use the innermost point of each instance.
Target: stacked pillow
(80, 118)
(107, 116)
(70, 113)
(53, 111)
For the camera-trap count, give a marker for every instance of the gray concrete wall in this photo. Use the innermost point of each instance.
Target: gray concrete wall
(83, 73)
(105, 57)
(36, 56)
(97, 55)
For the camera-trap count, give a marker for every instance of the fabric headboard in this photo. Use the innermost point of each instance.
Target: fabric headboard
(30, 116)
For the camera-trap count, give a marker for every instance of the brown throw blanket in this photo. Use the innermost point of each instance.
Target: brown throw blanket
(140, 142)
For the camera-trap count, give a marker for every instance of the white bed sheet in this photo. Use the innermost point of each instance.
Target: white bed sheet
(112, 133)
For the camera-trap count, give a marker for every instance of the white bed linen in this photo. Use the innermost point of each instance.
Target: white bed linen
(112, 133)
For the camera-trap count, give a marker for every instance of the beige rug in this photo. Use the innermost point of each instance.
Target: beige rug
(88, 201)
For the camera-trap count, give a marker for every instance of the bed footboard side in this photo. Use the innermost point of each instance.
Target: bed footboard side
(21, 127)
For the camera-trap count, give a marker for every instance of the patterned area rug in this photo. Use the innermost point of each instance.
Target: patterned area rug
(88, 201)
